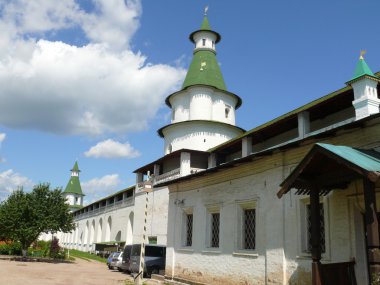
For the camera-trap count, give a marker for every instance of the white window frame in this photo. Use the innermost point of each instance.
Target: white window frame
(302, 227)
(239, 240)
(185, 213)
(215, 209)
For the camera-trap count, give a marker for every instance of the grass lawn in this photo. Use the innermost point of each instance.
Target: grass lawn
(86, 256)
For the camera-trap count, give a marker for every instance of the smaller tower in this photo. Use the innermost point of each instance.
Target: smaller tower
(73, 191)
(364, 83)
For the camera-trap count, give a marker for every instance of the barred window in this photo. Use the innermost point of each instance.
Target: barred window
(215, 224)
(322, 227)
(189, 230)
(249, 228)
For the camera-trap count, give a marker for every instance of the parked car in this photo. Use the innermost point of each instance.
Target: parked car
(124, 266)
(154, 261)
(109, 259)
(116, 260)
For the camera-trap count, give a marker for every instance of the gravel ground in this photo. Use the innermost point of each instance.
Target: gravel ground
(80, 272)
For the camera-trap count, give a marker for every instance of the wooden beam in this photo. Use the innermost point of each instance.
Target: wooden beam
(315, 236)
(372, 223)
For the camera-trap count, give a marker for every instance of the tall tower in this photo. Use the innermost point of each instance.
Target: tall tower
(203, 111)
(73, 191)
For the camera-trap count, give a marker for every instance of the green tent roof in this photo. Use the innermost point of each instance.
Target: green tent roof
(362, 69)
(75, 167)
(205, 25)
(204, 70)
(73, 186)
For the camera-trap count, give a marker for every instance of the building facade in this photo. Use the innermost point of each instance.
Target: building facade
(222, 199)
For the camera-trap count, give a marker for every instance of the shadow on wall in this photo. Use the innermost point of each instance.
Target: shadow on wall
(300, 277)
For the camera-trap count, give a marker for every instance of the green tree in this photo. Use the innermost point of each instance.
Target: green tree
(24, 216)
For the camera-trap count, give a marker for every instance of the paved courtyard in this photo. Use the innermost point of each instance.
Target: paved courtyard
(80, 272)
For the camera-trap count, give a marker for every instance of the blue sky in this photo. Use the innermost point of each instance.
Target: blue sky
(86, 80)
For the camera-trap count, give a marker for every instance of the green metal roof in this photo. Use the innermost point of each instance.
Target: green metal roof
(73, 186)
(346, 164)
(368, 160)
(75, 167)
(362, 69)
(204, 70)
(205, 25)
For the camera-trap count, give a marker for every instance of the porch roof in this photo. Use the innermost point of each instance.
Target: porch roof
(328, 167)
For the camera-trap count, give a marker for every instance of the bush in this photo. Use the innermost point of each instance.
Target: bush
(56, 251)
(10, 248)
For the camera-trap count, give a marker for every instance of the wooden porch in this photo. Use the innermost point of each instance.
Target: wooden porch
(325, 168)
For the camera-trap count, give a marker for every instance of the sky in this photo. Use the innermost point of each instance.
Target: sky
(86, 80)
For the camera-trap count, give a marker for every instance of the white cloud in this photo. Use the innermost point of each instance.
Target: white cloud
(97, 188)
(99, 88)
(112, 149)
(10, 180)
(2, 138)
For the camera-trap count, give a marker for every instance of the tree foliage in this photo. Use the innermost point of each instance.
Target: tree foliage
(24, 216)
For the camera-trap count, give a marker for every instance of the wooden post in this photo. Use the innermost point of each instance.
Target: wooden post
(315, 236)
(372, 226)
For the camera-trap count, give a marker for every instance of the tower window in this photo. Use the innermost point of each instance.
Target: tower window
(227, 110)
(213, 44)
(204, 42)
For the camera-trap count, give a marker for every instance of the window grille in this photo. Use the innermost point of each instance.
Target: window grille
(249, 228)
(189, 229)
(215, 219)
(322, 226)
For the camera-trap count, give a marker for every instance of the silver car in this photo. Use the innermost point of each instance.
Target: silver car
(117, 258)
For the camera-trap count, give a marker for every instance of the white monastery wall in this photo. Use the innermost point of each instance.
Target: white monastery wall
(281, 255)
(125, 224)
(157, 219)
(228, 264)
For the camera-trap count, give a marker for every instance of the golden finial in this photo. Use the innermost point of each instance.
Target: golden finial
(206, 9)
(362, 53)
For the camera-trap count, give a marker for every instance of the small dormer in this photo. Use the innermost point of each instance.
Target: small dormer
(364, 83)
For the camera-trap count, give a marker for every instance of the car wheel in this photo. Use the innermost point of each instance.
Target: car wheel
(151, 271)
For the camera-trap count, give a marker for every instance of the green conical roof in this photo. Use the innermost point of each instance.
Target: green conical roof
(204, 69)
(75, 167)
(73, 186)
(205, 25)
(362, 69)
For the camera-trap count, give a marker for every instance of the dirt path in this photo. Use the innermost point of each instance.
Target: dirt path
(81, 272)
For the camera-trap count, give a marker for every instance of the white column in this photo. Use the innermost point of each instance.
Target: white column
(212, 160)
(246, 146)
(185, 164)
(303, 124)
(366, 101)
